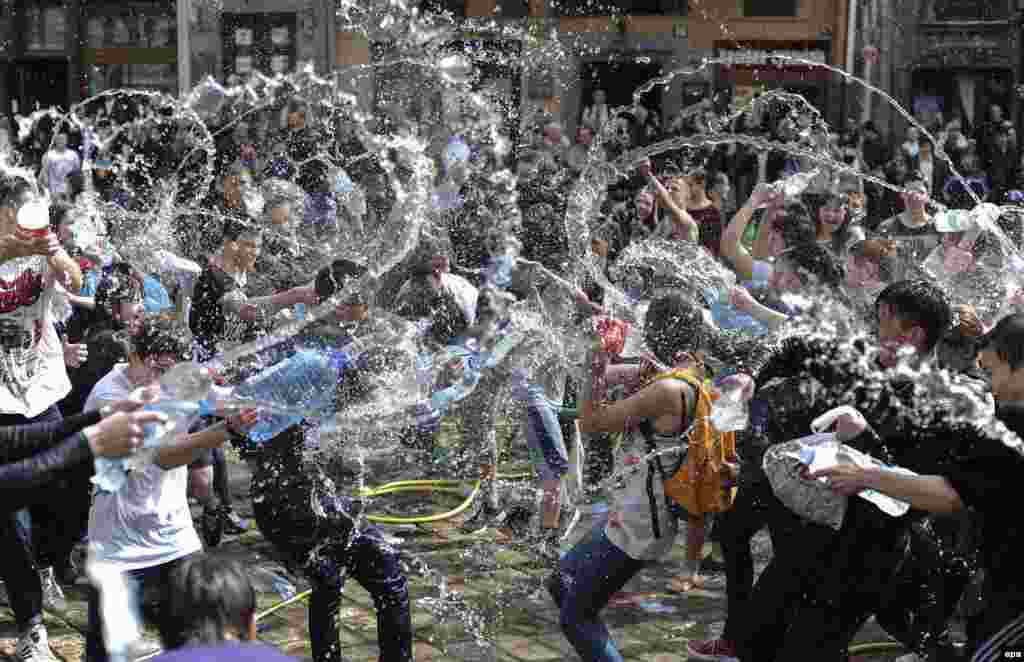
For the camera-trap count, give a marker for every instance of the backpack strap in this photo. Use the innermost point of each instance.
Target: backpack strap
(646, 428)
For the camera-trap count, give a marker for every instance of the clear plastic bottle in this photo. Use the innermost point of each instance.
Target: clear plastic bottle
(305, 382)
(729, 412)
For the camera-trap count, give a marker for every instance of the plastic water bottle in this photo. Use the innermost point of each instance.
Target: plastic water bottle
(207, 98)
(729, 412)
(728, 318)
(305, 382)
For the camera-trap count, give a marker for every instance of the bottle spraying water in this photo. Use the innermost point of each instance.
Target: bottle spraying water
(305, 382)
(729, 412)
(796, 184)
(184, 391)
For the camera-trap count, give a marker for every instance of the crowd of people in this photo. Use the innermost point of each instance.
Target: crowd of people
(94, 326)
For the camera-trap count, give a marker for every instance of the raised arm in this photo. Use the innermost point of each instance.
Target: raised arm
(732, 247)
(680, 217)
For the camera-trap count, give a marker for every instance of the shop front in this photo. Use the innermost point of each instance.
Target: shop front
(961, 70)
(746, 69)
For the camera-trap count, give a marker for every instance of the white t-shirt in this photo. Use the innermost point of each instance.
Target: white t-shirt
(32, 372)
(58, 166)
(146, 523)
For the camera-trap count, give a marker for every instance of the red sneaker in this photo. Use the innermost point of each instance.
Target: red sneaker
(714, 650)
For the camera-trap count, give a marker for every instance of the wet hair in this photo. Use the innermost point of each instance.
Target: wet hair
(235, 228)
(207, 600)
(12, 189)
(958, 349)
(797, 225)
(674, 325)
(810, 259)
(1006, 339)
(335, 277)
(922, 304)
(161, 333)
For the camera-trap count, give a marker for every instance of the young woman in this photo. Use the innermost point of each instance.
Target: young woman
(834, 226)
(641, 526)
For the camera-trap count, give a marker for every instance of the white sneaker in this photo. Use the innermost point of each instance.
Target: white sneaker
(33, 646)
(53, 595)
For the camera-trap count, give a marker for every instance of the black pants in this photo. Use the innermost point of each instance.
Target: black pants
(18, 544)
(375, 565)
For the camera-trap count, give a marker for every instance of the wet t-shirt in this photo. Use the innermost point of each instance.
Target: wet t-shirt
(709, 223)
(32, 372)
(211, 323)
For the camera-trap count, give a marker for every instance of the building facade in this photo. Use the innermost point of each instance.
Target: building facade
(954, 58)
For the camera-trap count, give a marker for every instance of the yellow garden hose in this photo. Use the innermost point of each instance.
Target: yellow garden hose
(443, 486)
(877, 647)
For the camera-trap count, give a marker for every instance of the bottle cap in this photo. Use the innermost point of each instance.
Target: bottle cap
(34, 220)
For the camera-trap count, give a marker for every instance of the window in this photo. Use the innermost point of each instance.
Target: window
(512, 8)
(608, 7)
(455, 7)
(770, 8)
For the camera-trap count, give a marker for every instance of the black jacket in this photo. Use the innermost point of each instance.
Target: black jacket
(35, 454)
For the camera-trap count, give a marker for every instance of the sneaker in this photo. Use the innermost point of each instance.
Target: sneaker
(713, 650)
(33, 646)
(53, 595)
(233, 524)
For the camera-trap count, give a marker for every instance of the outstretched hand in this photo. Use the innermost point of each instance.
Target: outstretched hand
(845, 479)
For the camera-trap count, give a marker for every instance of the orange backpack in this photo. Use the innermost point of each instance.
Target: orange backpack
(698, 483)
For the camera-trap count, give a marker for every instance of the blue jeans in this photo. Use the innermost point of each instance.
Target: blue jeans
(137, 581)
(587, 578)
(375, 565)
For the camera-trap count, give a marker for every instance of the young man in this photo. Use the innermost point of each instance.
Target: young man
(33, 378)
(222, 315)
(804, 378)
(58, 164)
(145, 528)
(913, 230)
(985, 477)
(312, 523)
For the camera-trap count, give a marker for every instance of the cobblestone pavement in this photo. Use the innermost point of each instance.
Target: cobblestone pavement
(501, 587)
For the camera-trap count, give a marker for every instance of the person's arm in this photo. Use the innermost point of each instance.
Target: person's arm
(933, 494)
(258, 309)
(116, 436)
(732, 247)
(680, 217)
(67, 270)
(12, 247)
(18, 442)
(185, 449)
(741, 299)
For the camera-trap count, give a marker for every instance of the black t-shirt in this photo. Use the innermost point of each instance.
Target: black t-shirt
(987, 477)
(209, 321)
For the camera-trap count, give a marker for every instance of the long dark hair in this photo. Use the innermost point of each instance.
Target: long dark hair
(208, 600)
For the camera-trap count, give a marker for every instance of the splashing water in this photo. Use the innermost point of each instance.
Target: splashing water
(140, 203)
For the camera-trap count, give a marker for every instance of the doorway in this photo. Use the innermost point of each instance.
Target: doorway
(38, 83)
(619, 79)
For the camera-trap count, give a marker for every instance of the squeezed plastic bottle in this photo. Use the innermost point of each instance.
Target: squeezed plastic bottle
(306, 382)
